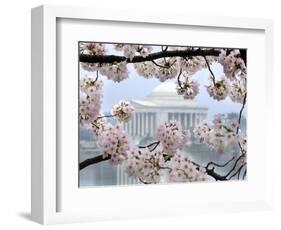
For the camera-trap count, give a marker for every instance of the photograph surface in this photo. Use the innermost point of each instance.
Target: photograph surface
(151, 114)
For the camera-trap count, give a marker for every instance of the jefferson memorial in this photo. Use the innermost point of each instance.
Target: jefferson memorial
(161, 105)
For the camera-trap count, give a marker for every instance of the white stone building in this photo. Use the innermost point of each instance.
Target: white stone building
(161, 105)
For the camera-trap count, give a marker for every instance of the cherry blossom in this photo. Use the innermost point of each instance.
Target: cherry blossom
(218, 89)
(233, 65)
(192, 65)
(131, 51)
(166, 69)
(182, 169)
(188, 87)
(172, 137)
(91, 67)
(98, 124)
(123, 110)
(144, 164)
(90, 99)
(219, 136)
(92, 48)
(238, 90)
(163, 69)
(145, 69)
(114, 142)
(115, 72)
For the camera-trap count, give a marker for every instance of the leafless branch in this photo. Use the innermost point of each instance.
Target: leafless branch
(234, 166)
(241, 111)
(238, 171)
(154, 144)
(179, 75)
(210, 70)
(153, 56)
(160, 66)
(104, 116)
(93, 160)
(220, 165)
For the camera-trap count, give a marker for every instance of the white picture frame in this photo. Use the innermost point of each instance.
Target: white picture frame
(48, 179)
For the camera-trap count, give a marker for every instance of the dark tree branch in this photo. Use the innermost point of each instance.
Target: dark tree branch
(154, 144)
(220, 165)
(160, 66)
(179, 75)
(210, 70)
(243, 55)
(164, 49)
(100, 158)
(238, 176)
(211, 172)
(151, 57)
(97, 77)
(241, 111)
(104, 116)
(92, 161)
(238, 171)
(142, 181)
(245, 173)
(234, 166)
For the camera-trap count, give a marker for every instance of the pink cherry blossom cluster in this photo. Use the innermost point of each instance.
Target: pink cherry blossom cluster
(162, 69)
(114, 142)
(233, 84)
(115, 72)
(218, 89)
(238, 90)
(145, 69)
(123, 111)
(220, 136)
(233, 64)
(98, 125)
(92, 48)
(182, 169)
(166, 69)
(144, 164)
(187, 87)
(130, 51)
(90, 67)
(172, 137)
(192, 65)
(90, 99)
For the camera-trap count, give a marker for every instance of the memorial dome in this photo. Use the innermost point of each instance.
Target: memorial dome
(165, 95)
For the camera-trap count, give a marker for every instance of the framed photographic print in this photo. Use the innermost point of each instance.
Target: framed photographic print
(137, 114)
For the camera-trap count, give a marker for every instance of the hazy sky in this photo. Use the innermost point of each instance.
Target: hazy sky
(137, 88)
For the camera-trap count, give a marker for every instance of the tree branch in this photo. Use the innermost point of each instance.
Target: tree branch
(104, 116)
(210, 70)
(179, 82)
(241, 111)
(238, 171)
(211, 172)
(151, 57)
(93, 160)
(245, 173)
(100, 158)
(234, 166)
(161, 66)
(155, 144)
(220, 165)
